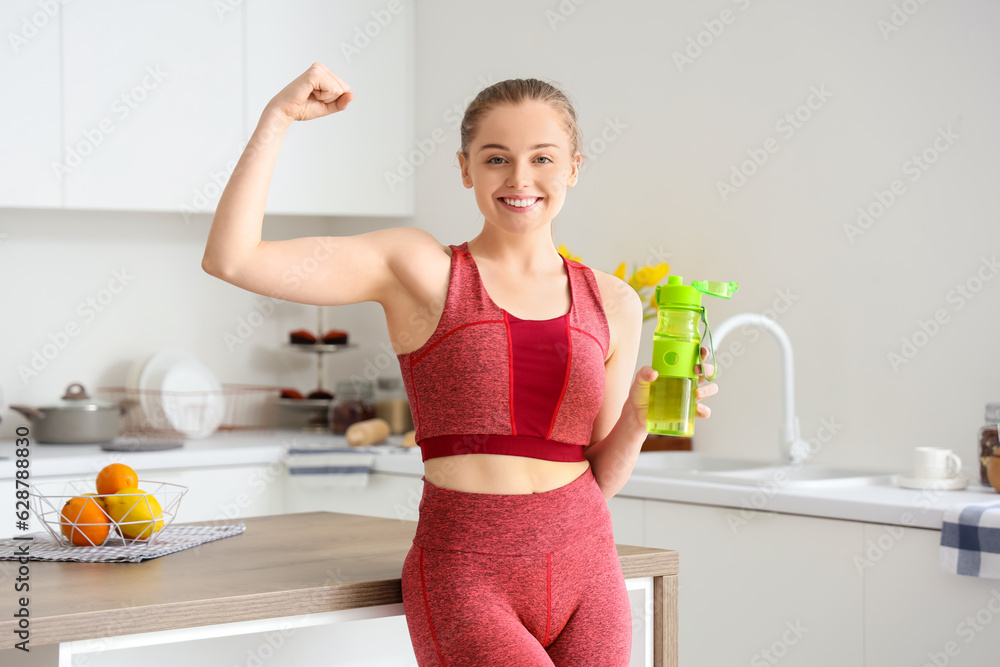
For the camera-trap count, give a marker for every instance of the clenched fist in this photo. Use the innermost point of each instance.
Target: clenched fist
(315, 93)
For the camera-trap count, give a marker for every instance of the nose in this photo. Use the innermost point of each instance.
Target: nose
(519, 175)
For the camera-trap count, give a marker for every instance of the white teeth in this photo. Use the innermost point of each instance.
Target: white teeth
(520, 203)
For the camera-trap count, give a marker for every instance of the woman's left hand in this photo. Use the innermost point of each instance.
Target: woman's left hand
(706, 390)
(639, 393)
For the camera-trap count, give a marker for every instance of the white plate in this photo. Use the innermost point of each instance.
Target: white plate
(950, 484)
(151, 377)
(197, 415)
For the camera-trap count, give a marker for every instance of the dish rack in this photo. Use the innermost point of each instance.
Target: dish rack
(246, 407)
(47, 500)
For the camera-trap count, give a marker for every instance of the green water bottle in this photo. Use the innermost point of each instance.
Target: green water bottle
(677, 350)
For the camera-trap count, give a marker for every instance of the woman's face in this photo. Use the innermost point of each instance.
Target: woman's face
(520, 165)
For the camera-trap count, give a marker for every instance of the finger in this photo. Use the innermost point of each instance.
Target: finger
(341, 102)
(707, 390)
(646, 375)
(343, 85)
(704, 411)
(704, 352)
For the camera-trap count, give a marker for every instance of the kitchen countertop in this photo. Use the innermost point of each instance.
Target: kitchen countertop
(289, 557)
(879, 503)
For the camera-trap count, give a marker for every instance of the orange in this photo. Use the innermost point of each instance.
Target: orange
(84, 522)
(115, 477)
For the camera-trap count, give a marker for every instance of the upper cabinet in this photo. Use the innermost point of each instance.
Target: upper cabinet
(29, 116)
(348, 162)
(148, 106)
(153, 103)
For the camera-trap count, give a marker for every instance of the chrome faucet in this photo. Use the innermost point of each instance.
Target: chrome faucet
(793, 449)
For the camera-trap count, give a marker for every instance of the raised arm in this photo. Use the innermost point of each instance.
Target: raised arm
(321, 270)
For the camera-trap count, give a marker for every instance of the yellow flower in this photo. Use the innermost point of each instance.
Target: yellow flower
(564, 251)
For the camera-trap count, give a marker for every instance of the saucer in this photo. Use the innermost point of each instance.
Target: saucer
(945, 484)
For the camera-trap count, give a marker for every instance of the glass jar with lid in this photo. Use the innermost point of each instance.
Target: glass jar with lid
(353, 401)
(392, 404)
(989, 441)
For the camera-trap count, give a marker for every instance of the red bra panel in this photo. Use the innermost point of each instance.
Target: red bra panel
(489, 382)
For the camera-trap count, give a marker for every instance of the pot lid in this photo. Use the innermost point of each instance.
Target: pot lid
(77, 398)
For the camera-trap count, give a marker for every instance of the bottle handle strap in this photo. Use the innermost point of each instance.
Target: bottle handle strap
(711, 347)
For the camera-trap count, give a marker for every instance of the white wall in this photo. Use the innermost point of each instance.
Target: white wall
(650, 192)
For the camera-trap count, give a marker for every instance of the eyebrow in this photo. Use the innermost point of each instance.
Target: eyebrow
(504, 148)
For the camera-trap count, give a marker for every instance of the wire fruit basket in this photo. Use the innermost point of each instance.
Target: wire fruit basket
(142, 517)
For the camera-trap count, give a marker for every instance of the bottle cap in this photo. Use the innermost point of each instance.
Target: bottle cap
(713, 288)
(675, 294)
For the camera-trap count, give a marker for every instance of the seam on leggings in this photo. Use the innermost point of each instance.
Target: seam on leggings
(427, 608)
(548, 595)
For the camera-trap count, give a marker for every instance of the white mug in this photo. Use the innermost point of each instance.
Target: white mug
(936, 463)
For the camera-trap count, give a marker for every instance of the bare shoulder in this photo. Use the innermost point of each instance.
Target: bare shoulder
(622, 306)
(420, 265)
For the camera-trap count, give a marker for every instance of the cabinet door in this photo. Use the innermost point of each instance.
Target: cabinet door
(380, 494)
(29, 116)
(918, 613)
(626, 517)
(338, 164)
(759, 588)
(153, 100)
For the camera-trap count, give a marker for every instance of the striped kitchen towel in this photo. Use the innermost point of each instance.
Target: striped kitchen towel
(320, 465)
(970, 540)
(42, 546)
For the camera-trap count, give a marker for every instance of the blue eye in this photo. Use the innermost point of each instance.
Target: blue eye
(495, 157)
(544, 158)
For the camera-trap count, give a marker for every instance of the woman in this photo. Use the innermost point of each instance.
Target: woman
(526, 419)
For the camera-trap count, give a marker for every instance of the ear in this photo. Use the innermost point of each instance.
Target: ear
(464, 166)
(575, 170)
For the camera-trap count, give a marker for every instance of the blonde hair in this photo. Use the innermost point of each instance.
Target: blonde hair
(516, 91)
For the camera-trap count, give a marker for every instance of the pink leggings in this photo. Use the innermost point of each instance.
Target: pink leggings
(526, 580)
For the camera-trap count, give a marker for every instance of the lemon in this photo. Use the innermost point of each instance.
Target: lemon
(136, 512)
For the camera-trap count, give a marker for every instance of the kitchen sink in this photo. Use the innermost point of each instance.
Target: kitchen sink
(699, 467)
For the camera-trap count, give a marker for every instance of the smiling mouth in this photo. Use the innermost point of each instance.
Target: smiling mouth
(520, 202)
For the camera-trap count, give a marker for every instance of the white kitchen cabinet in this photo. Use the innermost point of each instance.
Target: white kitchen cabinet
(29, 116)
(627, 519)
(383, 495)
(339, 164)
(153, 103)
(916, 612)
(757, 588)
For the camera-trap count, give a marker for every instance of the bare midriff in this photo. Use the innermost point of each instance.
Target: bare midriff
(501, 473)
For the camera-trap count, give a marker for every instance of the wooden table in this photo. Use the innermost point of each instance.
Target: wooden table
(310, 568)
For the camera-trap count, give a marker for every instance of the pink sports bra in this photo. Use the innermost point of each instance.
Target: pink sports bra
(487, 382)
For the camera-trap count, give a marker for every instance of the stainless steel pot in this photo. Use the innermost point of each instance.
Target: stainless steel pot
(76, 418)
